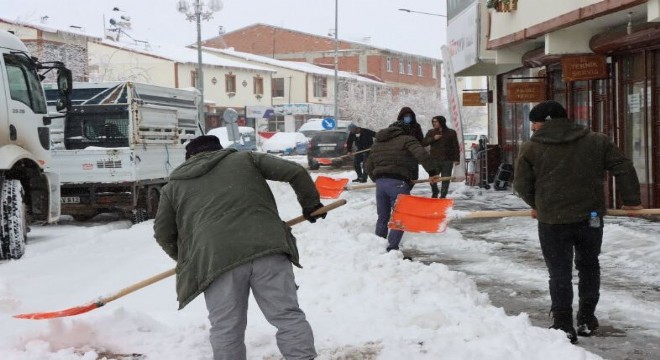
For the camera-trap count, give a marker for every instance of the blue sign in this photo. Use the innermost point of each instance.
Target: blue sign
(329, 123)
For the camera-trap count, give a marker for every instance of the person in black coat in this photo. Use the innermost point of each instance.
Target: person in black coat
(363, 138)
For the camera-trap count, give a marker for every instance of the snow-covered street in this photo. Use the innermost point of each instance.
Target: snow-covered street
(362, 302)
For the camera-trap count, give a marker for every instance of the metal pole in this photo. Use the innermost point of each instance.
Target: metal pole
(336, 59)
(200, 75)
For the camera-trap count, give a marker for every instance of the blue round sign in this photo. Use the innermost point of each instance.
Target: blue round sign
(329, 123)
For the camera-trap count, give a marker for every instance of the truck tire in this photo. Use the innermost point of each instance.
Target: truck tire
(13, 221)
(139, 215)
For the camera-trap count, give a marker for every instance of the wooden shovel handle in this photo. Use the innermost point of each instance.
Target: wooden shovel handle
(168, 273)
(369, 186)
(513, 213)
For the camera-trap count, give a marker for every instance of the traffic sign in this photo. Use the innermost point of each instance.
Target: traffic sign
(329, 123)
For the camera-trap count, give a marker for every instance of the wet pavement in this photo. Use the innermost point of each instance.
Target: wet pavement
(617, 338)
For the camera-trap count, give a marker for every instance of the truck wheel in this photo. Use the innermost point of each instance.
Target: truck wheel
(314, 165)
(139, 215)
(13, 221)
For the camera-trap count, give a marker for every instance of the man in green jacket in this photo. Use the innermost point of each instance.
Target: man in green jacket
(218, 219)
(560, 173)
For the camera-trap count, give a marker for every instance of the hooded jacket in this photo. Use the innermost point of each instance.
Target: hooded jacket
(560, 172)
(217, 212)
(444, 149)
(392, 153)
(416, 128)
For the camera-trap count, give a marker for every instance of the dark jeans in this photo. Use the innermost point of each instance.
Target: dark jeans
(386, 192)
(557, 244)
(358, 162)
(445, 168)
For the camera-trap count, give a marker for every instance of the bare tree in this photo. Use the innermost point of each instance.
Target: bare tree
(376, 106)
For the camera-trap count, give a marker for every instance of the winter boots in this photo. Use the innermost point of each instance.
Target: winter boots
(563, 320)
(586, 320)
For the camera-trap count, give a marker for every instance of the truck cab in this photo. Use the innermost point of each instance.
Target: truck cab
(29, 190)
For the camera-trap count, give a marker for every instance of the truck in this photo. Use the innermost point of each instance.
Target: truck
(116, 147)
(29, 189)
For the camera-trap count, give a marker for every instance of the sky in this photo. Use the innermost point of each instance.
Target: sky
(159, 22)
(358, 298)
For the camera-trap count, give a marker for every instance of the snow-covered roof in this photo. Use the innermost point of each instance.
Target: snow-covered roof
(291, 65)
(185, 55)
(51, 28)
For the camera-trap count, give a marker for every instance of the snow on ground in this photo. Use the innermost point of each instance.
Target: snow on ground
(362, 302)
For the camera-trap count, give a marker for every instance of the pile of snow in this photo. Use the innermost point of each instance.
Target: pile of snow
(362, 302)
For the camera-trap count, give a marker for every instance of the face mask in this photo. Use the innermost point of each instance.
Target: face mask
(407, 119)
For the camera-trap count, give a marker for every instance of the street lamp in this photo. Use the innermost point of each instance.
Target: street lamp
(336, 115)
(421, 12)
(197, 11)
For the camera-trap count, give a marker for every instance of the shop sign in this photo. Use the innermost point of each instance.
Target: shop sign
(583, 67)
(525, 92)
(475, 98)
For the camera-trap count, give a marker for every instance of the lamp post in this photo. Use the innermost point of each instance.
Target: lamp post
(336, 113)
(198, 10)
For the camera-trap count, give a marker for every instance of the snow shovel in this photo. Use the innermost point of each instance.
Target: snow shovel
(420, 181)
(146, 282)
(330, 188)
(426, 215)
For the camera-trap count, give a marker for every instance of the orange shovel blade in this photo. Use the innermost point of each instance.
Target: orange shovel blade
(62, 313)
(330, 188)
(420, 214)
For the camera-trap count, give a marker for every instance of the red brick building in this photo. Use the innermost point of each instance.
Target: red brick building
(398, 69)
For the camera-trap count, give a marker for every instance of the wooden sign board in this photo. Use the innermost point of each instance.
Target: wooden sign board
(583, 67)
(525, 92)
(474, 99)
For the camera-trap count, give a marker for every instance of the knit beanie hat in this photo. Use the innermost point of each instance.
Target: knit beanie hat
(201, 144)
(549, 109)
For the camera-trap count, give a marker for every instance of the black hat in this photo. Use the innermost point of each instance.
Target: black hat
(201, 144)
(549, 109)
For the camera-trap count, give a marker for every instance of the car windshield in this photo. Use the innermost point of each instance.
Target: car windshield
(470, 137)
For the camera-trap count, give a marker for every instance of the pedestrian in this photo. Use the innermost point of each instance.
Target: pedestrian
(387, 167)
(363, 138)
(560, 173)
(445, 152)
(408, 117)
(206, 223)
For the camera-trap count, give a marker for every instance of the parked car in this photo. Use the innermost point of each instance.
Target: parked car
(328, 148)
(315, 125)
(247, 141)
(286, 143)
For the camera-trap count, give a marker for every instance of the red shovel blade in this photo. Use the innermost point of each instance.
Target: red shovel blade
(420, 214)
(330, 188)
(56, 314)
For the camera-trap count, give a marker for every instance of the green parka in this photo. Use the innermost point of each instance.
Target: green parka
(560, 172)
(217, 212)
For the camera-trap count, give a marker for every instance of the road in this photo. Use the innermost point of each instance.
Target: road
(619, 338)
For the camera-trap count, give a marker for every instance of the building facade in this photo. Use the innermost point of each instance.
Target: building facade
(397, 69)
(600, 59)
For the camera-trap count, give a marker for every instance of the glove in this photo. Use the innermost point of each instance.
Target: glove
(307, 213)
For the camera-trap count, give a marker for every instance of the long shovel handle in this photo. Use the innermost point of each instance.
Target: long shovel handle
(146, 282)
(354, 153)
(168, 273)
(369, 186)
(514, 213)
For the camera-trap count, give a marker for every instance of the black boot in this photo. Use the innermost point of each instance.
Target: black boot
(563, 320)
(586, 320)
